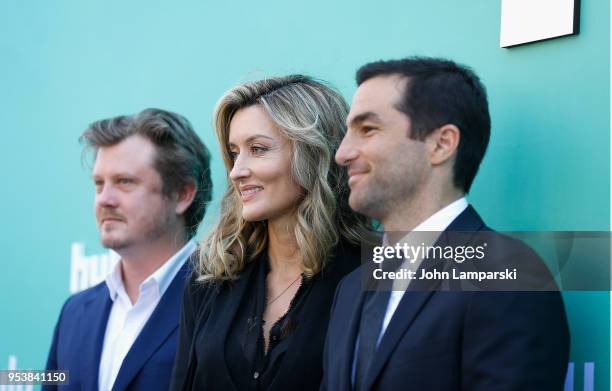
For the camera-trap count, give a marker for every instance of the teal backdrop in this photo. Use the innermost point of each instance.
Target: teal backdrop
(68, 63)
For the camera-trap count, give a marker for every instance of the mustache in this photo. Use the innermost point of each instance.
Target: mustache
(110, 214)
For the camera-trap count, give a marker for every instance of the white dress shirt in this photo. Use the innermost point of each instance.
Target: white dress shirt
(437, 222)
(126, 320)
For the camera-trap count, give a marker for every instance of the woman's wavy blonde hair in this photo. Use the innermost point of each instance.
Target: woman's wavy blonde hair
(312, 116)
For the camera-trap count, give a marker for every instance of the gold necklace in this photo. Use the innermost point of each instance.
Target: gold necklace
(283, 292)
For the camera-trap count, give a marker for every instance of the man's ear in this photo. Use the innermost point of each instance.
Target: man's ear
(443, 143)
(185, 197)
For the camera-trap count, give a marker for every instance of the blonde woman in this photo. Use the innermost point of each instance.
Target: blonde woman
(255, 312)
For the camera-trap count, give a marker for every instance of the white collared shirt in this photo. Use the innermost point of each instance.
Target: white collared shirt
(437, 222)
(126, 320)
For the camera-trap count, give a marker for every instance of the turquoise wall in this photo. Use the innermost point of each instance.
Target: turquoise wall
(67, 63)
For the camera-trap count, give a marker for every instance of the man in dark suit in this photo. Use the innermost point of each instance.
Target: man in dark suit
(417, 131)
(152, 182)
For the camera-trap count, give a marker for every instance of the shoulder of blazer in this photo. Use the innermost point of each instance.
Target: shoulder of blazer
(345, 258)
(199, 295)
(350, 285)
(84, 297)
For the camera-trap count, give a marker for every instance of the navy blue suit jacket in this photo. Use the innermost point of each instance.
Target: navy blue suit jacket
(79, 334)
(451, 340)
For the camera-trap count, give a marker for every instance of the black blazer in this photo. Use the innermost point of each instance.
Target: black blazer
(450, 340)
(207, 313)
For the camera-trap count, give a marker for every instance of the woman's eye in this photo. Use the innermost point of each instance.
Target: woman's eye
(233, 156)
(124, 181)
(257, 150)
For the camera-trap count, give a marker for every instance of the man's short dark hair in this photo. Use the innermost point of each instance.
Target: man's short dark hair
(440, 92)
(181, 157)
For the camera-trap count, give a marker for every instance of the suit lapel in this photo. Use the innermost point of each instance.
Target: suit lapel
(407, 310)
(417, 295)
(163, 321)
(348, 339)
(95, 317)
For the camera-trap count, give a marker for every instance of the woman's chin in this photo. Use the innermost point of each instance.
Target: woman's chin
(252, 217)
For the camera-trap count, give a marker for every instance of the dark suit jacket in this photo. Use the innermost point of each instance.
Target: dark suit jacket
(208, 312)
(451, 340)
(79, 334)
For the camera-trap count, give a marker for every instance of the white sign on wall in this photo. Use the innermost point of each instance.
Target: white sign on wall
(524, 21)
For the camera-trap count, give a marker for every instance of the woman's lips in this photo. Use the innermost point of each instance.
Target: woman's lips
(250, 193)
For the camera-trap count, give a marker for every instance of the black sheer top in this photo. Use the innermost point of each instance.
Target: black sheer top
(221, 344)
(245, 343)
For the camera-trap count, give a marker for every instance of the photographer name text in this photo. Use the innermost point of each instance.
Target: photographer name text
(422, 274)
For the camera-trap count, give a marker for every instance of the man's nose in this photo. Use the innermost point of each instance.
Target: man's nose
(106, 196)
(346, 152)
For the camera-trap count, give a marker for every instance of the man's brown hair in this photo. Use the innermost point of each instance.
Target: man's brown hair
(181, 157)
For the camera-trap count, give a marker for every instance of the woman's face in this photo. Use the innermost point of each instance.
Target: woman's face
(262, 166)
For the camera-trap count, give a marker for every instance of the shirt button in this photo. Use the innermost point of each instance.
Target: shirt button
(256, 375)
